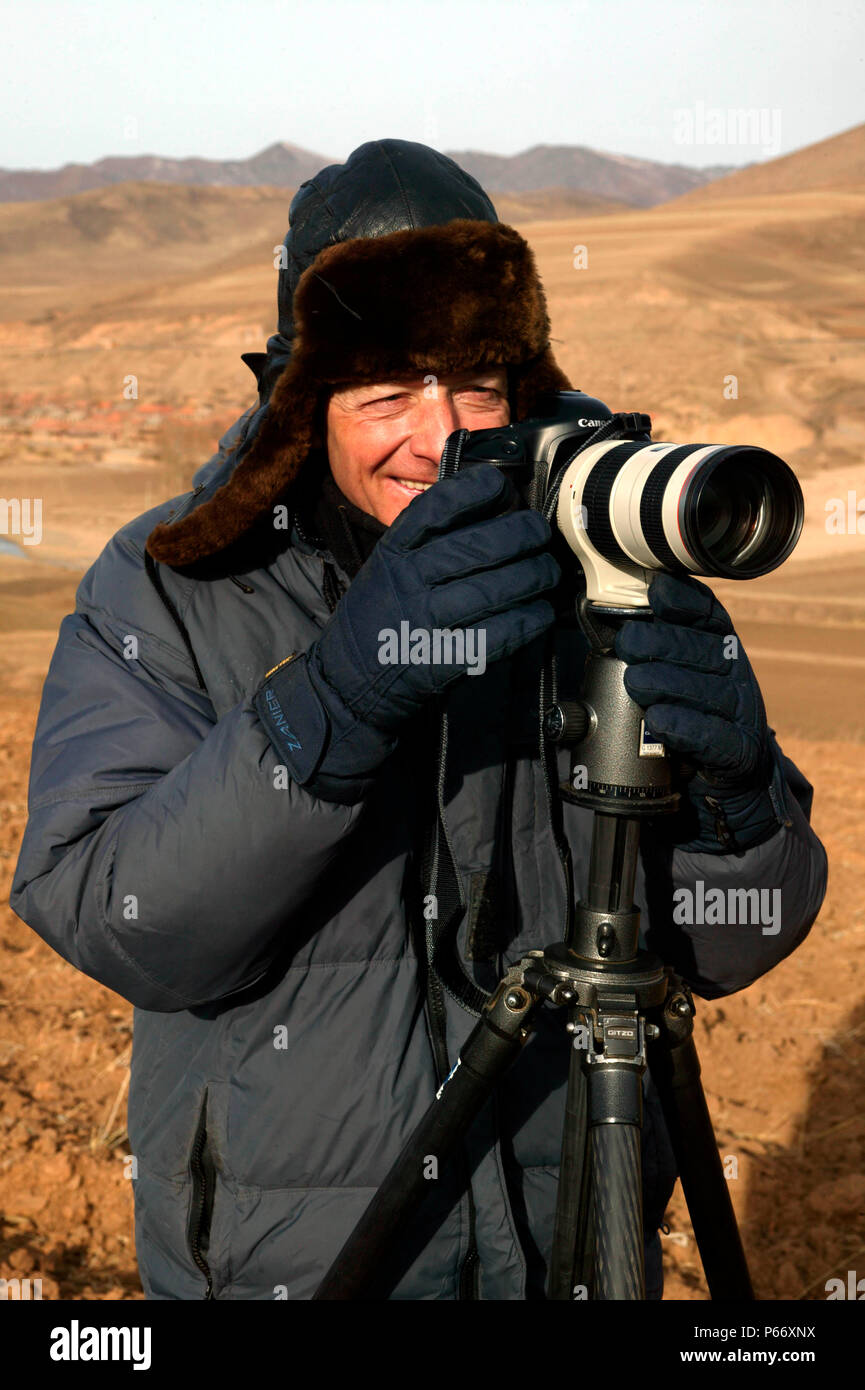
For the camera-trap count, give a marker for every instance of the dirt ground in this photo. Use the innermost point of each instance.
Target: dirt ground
(763, 290)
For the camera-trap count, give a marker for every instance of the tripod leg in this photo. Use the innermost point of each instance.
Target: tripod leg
(617, 1187)
(675, 1069)
(615, 1119)
(572, 1206)
(492, 1047)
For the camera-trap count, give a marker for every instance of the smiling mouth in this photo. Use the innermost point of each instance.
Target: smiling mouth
(411, 485)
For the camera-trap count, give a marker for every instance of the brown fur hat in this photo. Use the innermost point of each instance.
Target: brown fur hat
(437, 299)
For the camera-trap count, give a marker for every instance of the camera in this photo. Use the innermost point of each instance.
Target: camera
(628, 506)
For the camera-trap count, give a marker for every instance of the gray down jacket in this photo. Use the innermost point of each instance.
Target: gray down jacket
(283, 1047)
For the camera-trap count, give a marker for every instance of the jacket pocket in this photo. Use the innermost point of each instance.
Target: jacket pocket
(203, 1172)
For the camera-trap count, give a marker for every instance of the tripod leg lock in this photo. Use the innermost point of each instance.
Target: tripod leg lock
(617, 1070)
(509, 1008)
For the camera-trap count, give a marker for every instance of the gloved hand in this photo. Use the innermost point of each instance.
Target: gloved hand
(449, 561)
(689, 672)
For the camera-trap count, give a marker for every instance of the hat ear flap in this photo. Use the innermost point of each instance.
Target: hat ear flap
(273, 462)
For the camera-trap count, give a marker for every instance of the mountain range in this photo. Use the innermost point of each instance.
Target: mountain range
(573, 168)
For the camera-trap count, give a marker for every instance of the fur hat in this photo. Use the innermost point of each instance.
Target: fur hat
(438, 299)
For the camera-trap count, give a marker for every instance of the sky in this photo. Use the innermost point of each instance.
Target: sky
(655, 79)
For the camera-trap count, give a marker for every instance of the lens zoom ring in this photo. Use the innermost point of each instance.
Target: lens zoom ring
(651, 506)
(596, 500)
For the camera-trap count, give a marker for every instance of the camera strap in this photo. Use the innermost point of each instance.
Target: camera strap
(449, 463)
(623, 424)
(442, 887)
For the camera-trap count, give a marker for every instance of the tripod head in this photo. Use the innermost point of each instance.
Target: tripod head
(618, 765)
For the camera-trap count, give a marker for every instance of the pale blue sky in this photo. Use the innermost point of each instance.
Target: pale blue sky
(224, 78)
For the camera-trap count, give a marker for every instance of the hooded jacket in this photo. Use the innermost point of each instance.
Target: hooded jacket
(287, 1039)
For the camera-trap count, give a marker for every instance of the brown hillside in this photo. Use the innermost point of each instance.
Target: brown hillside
(836, 163)
(134, 233)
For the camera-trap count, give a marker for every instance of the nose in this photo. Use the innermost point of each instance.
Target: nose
(437, 417)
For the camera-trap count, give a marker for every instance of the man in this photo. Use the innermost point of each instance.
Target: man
(230, 815)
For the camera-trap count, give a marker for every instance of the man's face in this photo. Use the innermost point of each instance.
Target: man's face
(384, 442)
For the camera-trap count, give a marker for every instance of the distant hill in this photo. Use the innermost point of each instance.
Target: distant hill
(135, 231)
(181, 224)
(836, 163)
(280, 164)
(636, 182)
(546, 204)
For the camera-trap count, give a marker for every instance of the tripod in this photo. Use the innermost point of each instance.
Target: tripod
(627, 1011)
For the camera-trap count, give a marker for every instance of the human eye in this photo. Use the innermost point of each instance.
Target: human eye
(375, 401)
(483, 394)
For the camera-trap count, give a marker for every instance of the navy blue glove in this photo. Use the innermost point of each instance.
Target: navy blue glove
(450, 563)
(689, 672)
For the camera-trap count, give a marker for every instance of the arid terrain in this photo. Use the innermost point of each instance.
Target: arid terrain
(735, 318)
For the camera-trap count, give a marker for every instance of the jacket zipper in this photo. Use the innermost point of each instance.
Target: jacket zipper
(202, 1198)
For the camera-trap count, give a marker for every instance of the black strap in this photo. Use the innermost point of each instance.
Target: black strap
(548, 752)
(451, 454)
(441, 880)
(622, 425)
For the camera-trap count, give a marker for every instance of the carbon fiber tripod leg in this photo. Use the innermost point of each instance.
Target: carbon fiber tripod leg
(675, 1070)
(570, 1266)
(617, 1193)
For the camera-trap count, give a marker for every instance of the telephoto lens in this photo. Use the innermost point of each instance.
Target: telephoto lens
(628, 509)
